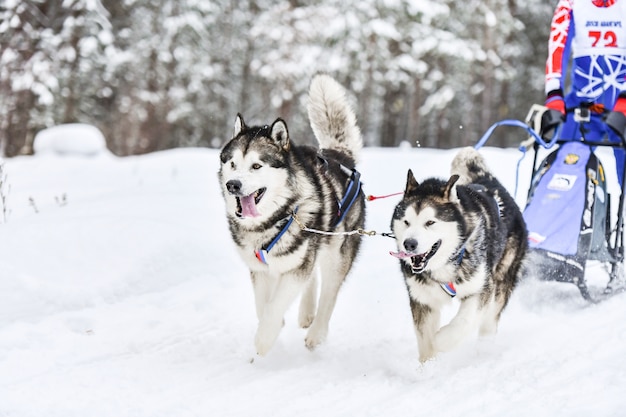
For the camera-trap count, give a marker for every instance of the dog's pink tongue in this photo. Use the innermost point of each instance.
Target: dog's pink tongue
(401, 255)
(248, 206)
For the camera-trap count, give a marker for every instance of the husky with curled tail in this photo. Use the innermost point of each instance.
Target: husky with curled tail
(464, 238)
(274, 188)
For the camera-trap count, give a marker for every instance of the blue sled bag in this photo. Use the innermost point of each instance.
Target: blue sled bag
(567, 213)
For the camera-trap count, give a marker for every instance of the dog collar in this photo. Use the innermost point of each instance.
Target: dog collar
(261, 254)
(460, 256)
(448, 287)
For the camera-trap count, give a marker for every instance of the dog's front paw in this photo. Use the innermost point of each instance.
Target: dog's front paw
(426, 353)
(315, 336)
(305, 320)
(266, 336)
(446, 339)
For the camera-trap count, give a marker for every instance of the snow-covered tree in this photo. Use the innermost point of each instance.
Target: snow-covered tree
(156, 74)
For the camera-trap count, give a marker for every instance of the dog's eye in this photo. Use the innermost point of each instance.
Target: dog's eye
(256, 166)
(232, 164)
(430, 223)
(406, 223)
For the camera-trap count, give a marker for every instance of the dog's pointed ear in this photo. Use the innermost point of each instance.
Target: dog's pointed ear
(280, 135)
(411, 183)
(449, 192)
(239, 125)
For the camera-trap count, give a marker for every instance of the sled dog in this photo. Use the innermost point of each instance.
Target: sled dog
(273, 189)
(464, 237)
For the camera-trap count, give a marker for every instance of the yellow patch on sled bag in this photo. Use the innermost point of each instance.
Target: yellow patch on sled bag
(571, 159)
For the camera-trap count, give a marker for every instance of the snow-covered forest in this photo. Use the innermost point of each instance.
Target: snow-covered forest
(158, 74)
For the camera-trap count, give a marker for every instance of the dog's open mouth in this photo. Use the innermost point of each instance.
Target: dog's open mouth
(418, 261)
(246, 206)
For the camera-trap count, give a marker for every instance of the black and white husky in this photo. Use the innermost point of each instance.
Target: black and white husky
(464, 237)
(274, 189)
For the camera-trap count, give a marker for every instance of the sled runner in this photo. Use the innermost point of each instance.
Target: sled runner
(569, 213)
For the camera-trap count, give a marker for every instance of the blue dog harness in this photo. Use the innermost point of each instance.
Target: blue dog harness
(352, 192)
(354, 188)
(261, 254)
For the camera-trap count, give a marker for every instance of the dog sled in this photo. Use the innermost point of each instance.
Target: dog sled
(570, 215)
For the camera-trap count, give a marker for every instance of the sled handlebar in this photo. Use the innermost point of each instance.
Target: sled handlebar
(615, 120)
(533, 135)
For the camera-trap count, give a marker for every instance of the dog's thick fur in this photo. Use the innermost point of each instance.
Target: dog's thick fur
(468, 231)
(264, 179)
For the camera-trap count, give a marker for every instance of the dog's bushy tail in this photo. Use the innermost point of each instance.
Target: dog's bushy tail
(332, 119)
(469, 165)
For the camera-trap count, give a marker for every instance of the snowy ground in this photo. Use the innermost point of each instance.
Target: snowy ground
(121, 294)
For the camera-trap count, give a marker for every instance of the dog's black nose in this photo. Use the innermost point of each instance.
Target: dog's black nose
(233, 186)
(410, 245)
